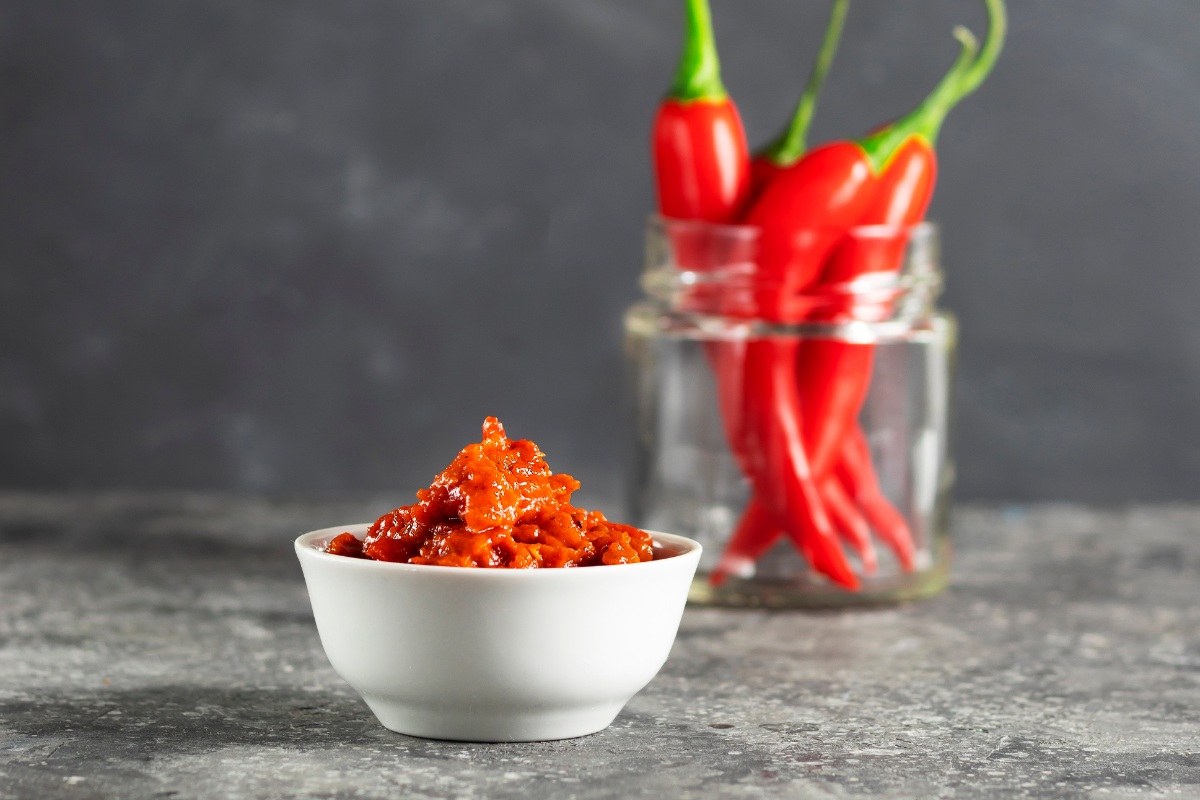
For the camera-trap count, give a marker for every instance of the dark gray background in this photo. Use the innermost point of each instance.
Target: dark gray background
(308, 245)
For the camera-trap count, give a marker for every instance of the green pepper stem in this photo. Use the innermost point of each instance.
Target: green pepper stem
(790, 145)
(699, 74)
(964, 77)
(997, 30)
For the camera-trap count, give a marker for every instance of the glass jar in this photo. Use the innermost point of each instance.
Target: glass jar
(786, 428)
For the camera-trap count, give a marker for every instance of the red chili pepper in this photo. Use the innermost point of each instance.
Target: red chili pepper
(834, 375)
(757, 531)
(701, 159)
(886, 174)
(801, 211)
(702, 172)
(802, 214)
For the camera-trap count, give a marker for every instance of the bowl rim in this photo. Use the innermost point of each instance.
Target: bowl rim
(688, 550)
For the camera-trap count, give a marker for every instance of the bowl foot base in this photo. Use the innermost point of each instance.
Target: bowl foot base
(492, 725)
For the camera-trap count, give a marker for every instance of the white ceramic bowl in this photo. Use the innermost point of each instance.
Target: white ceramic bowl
(496, 655)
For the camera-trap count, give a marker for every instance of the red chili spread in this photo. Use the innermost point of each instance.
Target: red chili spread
(498, 505)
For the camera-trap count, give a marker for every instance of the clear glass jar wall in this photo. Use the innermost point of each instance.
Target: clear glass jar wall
(715, 348)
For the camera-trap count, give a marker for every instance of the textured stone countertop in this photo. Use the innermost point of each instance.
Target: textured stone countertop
(161, 645)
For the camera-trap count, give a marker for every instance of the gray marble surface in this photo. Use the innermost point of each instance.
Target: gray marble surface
(161, 645)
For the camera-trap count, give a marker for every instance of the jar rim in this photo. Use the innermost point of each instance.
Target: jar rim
(873, 273)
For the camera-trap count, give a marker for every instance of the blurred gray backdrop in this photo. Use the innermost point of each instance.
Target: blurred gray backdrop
(308, 245)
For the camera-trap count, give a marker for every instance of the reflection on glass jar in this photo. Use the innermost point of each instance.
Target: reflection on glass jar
(799, 433)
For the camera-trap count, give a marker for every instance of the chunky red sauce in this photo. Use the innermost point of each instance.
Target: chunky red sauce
(498, 505)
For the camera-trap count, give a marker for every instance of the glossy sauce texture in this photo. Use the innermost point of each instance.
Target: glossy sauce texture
(498, 505)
